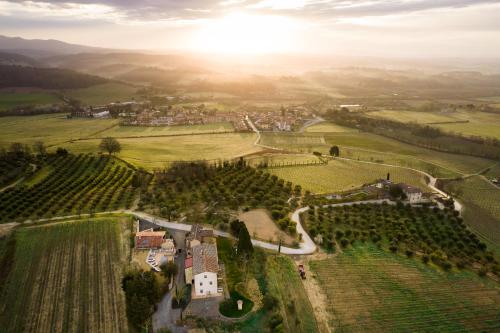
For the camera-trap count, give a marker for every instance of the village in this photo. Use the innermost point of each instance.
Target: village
(133, 113)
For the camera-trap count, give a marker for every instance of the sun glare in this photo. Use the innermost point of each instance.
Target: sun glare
(241, 33)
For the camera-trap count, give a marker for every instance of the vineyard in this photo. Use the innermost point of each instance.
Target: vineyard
(482, 208)
(66, 278)
(76, 184)
(342, 175)
(369, 290)
(438, 236)
(293, 141)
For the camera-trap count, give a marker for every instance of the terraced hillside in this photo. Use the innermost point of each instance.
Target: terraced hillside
(66, 277)
(75, 184)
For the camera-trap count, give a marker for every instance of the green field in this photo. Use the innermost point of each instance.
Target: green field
(51, 129)
(478, 123)
(144, 131)
(482, 209)
(341, 175)
(159, 152)
(10, 100)
(369, 290)
(327, 127)
(70, 185)
(413, 116)
(104, 93)
(392, 151)
(374, 148)
(66, 277)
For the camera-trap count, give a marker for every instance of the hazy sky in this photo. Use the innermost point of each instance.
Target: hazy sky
(416, 28)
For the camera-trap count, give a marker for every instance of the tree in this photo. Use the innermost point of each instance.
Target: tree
(16, 148)
(39, 148)
(396, 192)
(61, 152)
(142, 291)
(334, 151)
(110, 145)
(169, 270)
(245, 247)
(235, 227)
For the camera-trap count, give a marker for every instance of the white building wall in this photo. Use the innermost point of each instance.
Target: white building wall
(205, 284)
(414, 197)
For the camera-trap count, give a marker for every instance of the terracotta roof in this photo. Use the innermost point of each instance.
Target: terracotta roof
(148, 233)
(197, 232)
(205, 259)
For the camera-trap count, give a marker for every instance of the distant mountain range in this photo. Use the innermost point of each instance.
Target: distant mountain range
(38, 48)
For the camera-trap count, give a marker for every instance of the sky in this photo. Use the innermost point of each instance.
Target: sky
(396, 28)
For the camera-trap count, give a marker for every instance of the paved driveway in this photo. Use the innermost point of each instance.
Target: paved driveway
(165, 316)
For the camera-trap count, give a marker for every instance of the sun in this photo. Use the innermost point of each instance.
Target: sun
(240, 33)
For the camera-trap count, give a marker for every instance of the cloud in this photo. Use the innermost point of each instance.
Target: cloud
(196, 9)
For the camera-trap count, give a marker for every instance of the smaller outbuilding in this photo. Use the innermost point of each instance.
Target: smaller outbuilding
(149, 239)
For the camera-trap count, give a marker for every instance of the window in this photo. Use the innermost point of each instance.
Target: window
(205, 276)
(210, 282)
(201, 291)
(201, 283)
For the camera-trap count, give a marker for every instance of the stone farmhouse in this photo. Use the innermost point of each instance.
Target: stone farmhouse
(413, 194)
(201, 266)
(205, 269)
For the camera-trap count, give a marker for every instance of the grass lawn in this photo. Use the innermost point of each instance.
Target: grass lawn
(9, 100)
(342, 175)
(144, 131)
(369, 290)
(51, 129)
(66, 277)
(39, 175)
(159, 152)
(104, 93)
(285, 283)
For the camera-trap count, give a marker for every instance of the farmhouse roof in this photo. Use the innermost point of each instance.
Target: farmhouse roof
(409, 189)
(197, 232)
(205, 259)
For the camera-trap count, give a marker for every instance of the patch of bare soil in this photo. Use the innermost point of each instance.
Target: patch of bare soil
(316, 296)
(6, 228)
(261, 226)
